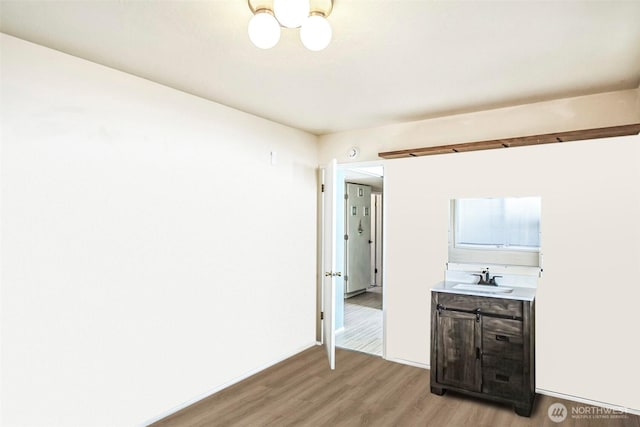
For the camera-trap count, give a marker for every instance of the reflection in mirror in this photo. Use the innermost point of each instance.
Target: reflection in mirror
(495, 230)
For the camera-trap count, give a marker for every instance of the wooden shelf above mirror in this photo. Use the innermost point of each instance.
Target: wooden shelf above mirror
(521, 141)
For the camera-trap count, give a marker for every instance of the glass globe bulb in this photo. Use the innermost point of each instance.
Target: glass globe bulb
(264, 30)
(315, 33)
(291, 13)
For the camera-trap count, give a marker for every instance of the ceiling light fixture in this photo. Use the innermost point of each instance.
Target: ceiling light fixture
(308, 15)
(291, 13)
(264, 30)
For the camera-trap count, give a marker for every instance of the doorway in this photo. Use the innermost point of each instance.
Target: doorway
(360, 298)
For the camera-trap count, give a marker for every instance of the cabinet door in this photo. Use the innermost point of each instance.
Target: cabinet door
(458, 354)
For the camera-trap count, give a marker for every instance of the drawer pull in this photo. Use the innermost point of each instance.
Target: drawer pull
(502, 338)
(504, 378)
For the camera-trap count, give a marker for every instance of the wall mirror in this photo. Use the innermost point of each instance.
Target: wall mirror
(499, 230)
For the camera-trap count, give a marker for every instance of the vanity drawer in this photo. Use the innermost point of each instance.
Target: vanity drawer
(486, 305)
(504, 346)
(502, 326)
(502, 377)
(502, 337)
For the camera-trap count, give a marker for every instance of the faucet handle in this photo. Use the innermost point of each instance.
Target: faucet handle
(493, 280)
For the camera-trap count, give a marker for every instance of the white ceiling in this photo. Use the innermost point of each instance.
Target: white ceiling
(390, 60)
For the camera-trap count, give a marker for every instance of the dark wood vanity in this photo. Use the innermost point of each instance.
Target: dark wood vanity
(484, 346)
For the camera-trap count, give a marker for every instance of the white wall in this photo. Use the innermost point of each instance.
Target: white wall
(150, 252)
(586, 302)
(586, 322)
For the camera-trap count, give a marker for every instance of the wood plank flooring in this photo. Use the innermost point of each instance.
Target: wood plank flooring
(372, 298)
(362, 323)
(362, 391)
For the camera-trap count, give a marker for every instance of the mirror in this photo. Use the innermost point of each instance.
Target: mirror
(502, 231)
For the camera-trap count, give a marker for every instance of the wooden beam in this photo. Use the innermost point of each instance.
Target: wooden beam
(520, 141)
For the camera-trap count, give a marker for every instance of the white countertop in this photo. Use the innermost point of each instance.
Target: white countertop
(518, 293)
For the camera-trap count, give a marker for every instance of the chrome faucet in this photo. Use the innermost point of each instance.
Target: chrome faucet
(485, 279)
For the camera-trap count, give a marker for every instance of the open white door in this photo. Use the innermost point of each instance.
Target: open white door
(329, 262)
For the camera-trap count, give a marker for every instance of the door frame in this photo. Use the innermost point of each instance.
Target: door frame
(320, 263)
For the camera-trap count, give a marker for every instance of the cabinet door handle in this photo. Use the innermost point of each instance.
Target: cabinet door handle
(477, 352)
(503, 378)
(502, 338)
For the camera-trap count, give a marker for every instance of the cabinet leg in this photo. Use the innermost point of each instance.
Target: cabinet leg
(438, 390)
(524, 410)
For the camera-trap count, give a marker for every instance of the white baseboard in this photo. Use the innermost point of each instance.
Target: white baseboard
(408, 362)
(225, 385)
(401, 361)
(542, 391)
(587, 401)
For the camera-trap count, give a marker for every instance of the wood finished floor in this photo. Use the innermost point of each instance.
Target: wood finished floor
(362, 323)
(372, 298)
(362, 391)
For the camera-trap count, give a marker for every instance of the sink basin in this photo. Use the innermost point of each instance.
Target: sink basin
(483, 288)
